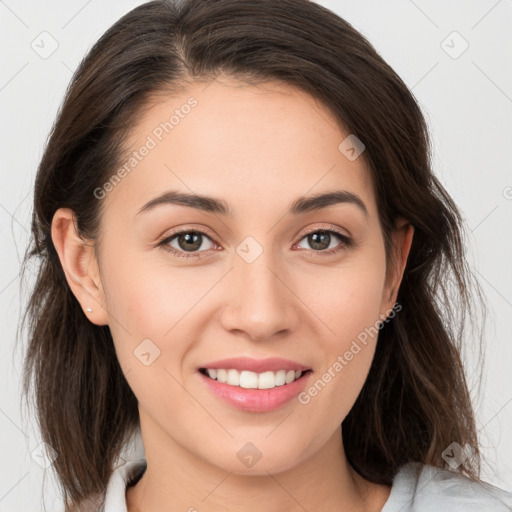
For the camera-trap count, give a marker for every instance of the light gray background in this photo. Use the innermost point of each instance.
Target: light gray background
(468, 104)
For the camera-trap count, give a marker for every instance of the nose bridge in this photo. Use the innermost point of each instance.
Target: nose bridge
(262, 305)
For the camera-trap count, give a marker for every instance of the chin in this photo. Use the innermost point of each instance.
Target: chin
(249, 460)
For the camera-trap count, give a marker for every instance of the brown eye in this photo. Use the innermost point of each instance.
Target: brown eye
(320, 241)
(186, 241)
(189, 241)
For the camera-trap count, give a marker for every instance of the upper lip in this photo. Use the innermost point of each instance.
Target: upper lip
(272, 364)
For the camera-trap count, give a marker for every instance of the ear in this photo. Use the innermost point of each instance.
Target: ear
(401, 237)
(80, 265)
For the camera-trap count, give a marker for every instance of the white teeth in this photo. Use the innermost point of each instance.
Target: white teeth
(248, 380)
(233, 378)
(251, 380)
(280, 377)
(266, 380)
(290, 376)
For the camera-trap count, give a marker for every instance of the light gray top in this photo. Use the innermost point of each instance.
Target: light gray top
(432, 490)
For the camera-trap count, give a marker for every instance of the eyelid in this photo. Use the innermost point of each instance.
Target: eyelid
(169, 235)
(187, 229)
(324, 227)
(345, 240)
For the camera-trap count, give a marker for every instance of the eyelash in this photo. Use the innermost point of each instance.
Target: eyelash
(346, 242)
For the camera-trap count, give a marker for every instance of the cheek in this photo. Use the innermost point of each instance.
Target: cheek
(148, 296)
(150, 307)
(348, 303)
(346, 300)
(150, 300)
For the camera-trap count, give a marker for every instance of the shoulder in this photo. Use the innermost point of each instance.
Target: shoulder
(127, 473)
(424, 488)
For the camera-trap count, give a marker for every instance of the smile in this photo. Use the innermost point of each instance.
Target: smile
(263, 392)
(252, 380)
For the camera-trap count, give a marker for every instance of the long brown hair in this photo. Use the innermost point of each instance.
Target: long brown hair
(415, 401)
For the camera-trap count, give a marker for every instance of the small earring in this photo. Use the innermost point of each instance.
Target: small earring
(89, 310)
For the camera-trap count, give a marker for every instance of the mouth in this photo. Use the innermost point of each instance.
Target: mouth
(255, 392)
(252, 380)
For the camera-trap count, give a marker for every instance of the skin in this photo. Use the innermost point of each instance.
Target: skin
(258, 148)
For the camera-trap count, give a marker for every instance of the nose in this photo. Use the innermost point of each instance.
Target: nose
(260, 304)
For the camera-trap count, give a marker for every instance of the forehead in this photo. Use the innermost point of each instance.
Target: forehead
(228, 139)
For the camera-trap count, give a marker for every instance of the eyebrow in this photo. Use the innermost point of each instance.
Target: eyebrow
(209, 204)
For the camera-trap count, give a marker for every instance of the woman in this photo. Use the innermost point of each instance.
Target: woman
(244, 252)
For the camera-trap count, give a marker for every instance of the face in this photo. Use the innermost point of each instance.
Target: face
(258, 280)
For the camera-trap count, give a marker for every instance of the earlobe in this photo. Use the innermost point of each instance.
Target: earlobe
(78, 260)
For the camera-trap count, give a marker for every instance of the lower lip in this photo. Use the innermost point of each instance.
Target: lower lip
(256, 400)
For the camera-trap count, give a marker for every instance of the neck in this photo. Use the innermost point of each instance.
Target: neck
(178, 480)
